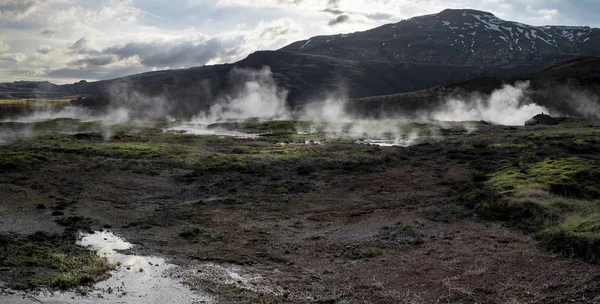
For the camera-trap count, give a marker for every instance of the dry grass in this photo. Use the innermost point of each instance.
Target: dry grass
(36, 102)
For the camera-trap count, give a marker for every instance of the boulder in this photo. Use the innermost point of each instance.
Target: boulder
(541, 119)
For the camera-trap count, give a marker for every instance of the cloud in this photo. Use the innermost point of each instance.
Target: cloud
(82, 46)
(123, 36)
(44, 49)
(169, 53)
(198, 49)
(333, 4)
(12, 57)
(48, 33)
(82, 43)
(17, 9)
(379, 16)
(339, 19)
(92, 61)
(3, 46)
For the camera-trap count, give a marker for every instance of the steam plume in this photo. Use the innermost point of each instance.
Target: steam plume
(508, 106)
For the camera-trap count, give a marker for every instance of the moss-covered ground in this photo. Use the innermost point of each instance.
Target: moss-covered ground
(541, 180)
(48, 261)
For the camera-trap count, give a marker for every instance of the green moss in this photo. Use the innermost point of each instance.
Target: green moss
(572, 176)
(48, 261)
(67, 124)
(528, 145)
(134, 149)
(577, 236)
(526, 214)
(256, 126)
(17, 161)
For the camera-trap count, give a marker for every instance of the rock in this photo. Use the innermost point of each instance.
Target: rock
(541, 119)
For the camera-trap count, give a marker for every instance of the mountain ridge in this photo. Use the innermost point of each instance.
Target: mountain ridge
(457, 36)
(358, 63)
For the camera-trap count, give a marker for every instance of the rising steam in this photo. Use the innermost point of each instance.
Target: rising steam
(507, 106)
(255, 94)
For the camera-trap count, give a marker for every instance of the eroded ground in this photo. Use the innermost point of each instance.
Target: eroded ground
(500, 215)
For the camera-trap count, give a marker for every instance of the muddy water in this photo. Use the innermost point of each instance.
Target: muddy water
(200, 129)
(387, 142)
(137, 279)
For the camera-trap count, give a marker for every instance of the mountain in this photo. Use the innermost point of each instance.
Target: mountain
(457, 37)
(561, 87)
(411, 55)
(306, 77)
(18, 88)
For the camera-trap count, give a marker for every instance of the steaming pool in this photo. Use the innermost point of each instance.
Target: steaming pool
(137, 279)
(202, 129)
(147, 279)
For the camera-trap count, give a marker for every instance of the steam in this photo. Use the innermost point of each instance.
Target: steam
(255, 94)
(46, 115)
(585, 103)
(24, 124)
(507, 106)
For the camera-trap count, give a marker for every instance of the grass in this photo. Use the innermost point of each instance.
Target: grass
(576, 236)
(546, 183)
(37, 102)
(535, 181)
(573, 177)
(48, 261)
(19, 161)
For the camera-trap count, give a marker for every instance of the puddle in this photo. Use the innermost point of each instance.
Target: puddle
(387, 142)
(137, 279)
(398, 142)
(201, 129)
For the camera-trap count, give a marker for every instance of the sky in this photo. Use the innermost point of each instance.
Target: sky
(64, 41)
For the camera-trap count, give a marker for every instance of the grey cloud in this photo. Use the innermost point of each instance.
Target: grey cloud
(12, 58)
(274, 31)
(333, 4)
(93, 61)
(333, 11)
(379, 16)
(81, 47)
(162, 54)
(17, 6)
(94, 72)
(338, 20)
(79, 44)
(333, 7)
(48, 33)
(44, 49)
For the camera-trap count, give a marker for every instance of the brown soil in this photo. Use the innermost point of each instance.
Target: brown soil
(343, 237)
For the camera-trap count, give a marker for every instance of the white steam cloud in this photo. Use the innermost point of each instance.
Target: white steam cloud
(585, 103)
(255, 94)
(507, 106)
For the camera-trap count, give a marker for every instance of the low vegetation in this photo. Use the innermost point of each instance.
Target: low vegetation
(36, 102)
(545, 183)
(542, 181)
(48, 261)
